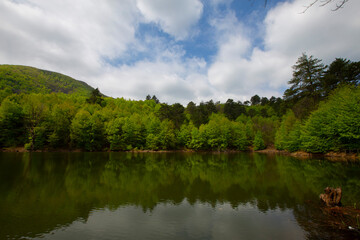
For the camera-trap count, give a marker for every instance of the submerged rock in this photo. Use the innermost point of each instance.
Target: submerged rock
(331, 197)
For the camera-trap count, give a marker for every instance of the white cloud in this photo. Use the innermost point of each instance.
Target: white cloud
(67, 36)
(319, 31)
(175, 17)
(242, 69)
(175, 81)
(82, 38)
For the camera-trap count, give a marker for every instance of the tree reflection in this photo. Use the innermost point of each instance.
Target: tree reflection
(55, 189)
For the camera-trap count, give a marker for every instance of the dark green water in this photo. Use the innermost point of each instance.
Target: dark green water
(169, 196)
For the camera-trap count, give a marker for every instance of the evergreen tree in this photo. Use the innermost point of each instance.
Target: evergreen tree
(306, 81)
(96, 97)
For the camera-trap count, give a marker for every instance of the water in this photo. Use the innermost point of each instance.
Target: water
(170, 196)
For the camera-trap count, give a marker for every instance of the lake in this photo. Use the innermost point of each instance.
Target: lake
(170, 196)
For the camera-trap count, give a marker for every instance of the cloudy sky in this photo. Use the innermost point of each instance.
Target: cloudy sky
(179, 50)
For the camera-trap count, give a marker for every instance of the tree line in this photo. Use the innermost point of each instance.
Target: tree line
(318, 113)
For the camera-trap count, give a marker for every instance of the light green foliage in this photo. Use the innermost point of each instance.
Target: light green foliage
(94, 122)
(81, 130)
(134, 132)
(153, 128)
(184, 135)
(22, 79)
(259, 142)
(36, 111)
(114, 134)
(60, 121)
(336, 124)
(294, 142)
(282, 134)
(167, 137)
(87, 131)
(238, 138)
(217, 132)
(197, 138)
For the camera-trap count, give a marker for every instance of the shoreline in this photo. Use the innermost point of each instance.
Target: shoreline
(331, 156)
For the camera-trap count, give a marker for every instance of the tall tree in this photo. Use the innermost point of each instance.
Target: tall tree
(340, 71)
(306, 80)
(155, 99)
(96, 97)
(255, 100)
(232, 109)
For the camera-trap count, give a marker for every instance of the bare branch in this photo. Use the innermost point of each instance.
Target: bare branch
(325, 2)
(339, 5)
(310, 5)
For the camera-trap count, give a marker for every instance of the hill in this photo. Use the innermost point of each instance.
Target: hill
(23, 79)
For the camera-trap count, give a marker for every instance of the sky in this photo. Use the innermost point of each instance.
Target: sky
(178, 50)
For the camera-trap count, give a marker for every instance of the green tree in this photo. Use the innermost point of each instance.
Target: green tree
(258, 142)
(96, 97)
(336, 124)
(282, 133)
(238, 139)
(255, 100)
(114, 134)
(232, 109)
(184, 135)
(167, 136)
(12, 125)
(305, 85)
(341, 71)
(35, 110)
(306, 80)
(88, 131)
(134, 132)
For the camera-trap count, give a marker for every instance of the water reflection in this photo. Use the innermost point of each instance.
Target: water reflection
(168, 195)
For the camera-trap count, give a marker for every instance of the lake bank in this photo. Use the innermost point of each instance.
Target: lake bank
(332, 156)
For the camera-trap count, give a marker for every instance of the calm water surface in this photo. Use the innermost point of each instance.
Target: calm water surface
(169, 196)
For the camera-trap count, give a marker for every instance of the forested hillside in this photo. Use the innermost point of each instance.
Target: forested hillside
(320, 112)
(22, 79)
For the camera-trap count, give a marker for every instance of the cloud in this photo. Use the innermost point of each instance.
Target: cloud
(103, 44)
(175, 80)
(174, 17)
(67, 36)
(319, 31)
(240, 68)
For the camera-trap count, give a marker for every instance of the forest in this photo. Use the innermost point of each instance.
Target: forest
(318, 113)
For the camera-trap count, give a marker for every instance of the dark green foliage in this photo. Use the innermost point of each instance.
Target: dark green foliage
(341, 71)
(267, 127)
(305, 90)
(155, 99)
(255, 100)
(307, 75)
(175, 113)
(200, 114)
(233, 110)
(95, 97)
(12, 124)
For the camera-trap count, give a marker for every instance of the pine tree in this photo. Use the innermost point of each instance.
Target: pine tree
(306, 81)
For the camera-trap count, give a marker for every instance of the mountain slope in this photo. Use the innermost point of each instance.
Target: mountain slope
(23, 79)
